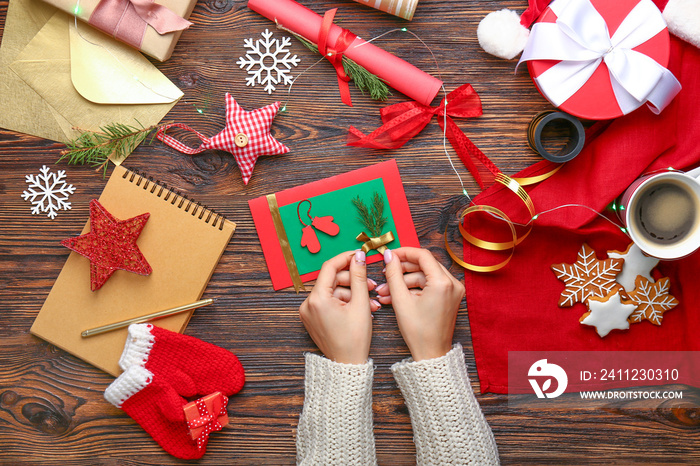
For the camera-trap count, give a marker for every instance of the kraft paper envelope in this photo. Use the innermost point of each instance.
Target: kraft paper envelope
(23, 110)
(82, 79)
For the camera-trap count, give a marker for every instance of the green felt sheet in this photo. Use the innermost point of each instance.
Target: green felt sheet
(339, 205)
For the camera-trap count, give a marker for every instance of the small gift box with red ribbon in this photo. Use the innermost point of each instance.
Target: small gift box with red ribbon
(600, 59)
(152, 27)
(206, 415)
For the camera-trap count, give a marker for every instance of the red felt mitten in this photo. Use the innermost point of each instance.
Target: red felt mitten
(192, 366)
(326, 225)
(309, 239)
(156, 407)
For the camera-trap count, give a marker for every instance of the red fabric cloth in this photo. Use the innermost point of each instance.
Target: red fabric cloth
(515, 308)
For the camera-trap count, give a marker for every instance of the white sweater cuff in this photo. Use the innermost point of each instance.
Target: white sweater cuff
(335, 426)
(448, 425)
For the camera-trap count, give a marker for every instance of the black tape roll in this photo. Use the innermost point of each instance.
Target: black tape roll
(577, 135)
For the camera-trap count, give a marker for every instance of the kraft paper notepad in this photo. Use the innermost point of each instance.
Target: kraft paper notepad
(182, 241)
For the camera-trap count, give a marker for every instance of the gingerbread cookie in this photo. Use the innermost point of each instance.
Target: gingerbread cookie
(637, 264)
(608, 313)
(587, 277)
(652, 300)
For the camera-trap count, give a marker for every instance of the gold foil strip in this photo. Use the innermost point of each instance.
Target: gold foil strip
(284, 243)
(377, 242)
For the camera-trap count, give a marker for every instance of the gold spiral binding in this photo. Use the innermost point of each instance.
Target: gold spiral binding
(141, 178)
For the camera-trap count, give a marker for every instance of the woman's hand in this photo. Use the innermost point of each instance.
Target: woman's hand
(425, 297)
(338, 312)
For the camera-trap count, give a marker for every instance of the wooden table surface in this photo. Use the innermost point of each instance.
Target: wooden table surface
(51, 404)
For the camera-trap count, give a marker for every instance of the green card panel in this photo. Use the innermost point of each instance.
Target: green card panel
(337, 204)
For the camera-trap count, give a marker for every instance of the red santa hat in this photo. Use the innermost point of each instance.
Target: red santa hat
(504, 34)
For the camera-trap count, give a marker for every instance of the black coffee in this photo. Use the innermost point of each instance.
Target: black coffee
(667, 212)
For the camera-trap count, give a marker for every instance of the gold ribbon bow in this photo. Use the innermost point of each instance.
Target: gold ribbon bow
(377, 242)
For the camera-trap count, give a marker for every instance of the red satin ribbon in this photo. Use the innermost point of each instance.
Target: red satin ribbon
(404, 120)
(126, 20)
(335, 54)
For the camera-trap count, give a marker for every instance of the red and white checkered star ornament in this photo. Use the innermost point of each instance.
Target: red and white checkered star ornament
(246, 136)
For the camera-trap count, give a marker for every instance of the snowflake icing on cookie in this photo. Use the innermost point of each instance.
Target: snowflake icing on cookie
(652, 300)
(48, 192)
(587, 277)
(268, 61)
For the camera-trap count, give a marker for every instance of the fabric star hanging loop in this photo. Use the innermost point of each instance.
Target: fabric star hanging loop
(405, 120)
(335, 55)
(246, 136)
(325, 224)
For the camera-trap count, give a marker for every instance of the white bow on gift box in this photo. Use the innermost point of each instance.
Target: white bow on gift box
(580, 40)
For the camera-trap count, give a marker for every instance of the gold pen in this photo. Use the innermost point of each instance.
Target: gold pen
(139, 320)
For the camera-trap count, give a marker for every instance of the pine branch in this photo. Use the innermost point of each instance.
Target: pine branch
(363, 79)
(371, 218)
(378, 214)
(96, 147)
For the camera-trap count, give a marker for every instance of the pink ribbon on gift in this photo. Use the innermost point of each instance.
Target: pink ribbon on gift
(208, 420)
(580, 40)
(127, 20)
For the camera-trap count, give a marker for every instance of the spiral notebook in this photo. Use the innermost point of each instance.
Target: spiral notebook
(182, 241)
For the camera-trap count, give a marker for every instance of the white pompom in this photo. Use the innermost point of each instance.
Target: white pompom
(501, 34)
(683, 19)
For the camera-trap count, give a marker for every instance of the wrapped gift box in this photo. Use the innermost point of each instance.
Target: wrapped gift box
(149, 41)
(207, 413)
(628, 22)
(401, 8)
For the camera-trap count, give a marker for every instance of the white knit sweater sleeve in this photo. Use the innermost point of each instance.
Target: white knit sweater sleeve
(335, 426)
(448, 425)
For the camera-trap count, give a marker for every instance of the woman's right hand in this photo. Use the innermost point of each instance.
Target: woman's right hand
(426, 299)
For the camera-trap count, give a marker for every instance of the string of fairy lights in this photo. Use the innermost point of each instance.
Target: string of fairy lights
(615, 206)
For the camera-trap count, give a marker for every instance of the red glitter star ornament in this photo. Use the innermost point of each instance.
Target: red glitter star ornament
(110, 245)
(246, 136)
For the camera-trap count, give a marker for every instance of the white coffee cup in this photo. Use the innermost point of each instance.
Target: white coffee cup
(661, 212)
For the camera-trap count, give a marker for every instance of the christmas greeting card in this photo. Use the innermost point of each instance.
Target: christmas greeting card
(302, 227)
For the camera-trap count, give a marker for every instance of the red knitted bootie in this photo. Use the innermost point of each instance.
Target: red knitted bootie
(192, 366)
(156, 407)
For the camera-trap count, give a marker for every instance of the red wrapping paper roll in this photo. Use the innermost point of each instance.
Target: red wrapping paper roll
(397, 73)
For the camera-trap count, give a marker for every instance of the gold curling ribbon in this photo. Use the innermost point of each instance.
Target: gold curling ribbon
(536, 179)
(515, 185)
(378, 242)
(284, 243)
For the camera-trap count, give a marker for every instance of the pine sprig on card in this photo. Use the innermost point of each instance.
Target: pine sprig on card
(96, 147)
(373, 217)
(363, 79)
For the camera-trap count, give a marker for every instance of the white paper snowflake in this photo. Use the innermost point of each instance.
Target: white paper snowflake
(48, 192)
(268, 61)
